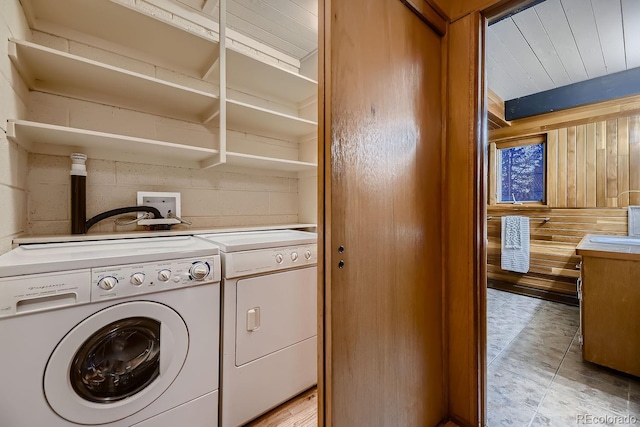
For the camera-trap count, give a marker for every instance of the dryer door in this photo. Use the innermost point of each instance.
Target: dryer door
(113, 364)
(275, 311)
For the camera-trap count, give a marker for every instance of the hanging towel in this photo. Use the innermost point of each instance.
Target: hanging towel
(515, 243)
(634, 221)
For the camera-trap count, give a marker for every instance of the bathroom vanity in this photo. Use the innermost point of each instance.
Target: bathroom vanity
(609, 293)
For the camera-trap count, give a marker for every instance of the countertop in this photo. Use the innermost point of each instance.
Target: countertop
(59, 238)
(618, 250)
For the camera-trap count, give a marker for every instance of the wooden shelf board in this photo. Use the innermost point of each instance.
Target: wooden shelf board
(49, 70)
(60, 140)
(260, 162)
(245, 117)
(261, 78)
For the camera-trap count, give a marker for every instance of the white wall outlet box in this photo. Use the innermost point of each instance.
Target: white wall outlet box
(165, 202)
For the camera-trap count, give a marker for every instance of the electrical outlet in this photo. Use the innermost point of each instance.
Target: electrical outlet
(164, 202)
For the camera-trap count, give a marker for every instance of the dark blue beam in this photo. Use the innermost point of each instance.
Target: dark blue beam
(605, 88)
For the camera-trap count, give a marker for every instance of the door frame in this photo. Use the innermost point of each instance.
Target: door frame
(464, 206)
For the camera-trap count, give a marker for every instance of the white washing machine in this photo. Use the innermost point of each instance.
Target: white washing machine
(110, 333)
(269, 320)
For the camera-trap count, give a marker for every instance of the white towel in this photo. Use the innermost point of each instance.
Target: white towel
(634, 221)
(515, 244)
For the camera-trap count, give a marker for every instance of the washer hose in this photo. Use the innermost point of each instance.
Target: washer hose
(119, 211)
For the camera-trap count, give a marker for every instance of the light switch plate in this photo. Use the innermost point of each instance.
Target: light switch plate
(164, 202)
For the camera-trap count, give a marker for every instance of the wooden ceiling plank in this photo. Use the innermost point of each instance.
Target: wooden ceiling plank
(531, 27)
(555, 23)
(515, 42)
(583, 26)
(251, 30)
(631, 20)
(274, 24)
(608, 15)
(502, 55)
(499, 81)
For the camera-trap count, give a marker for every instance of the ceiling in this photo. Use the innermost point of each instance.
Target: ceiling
(559, 42)
(289, 26)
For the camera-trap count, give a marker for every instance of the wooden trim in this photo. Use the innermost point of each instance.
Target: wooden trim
(428, 14)
(530, 292)
(443, 236)
(576, 116)
(599, 89)
(324, 213)
(495, 109)
(464, 209)
(514, 11)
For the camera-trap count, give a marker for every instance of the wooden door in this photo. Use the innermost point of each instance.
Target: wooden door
(383, 155)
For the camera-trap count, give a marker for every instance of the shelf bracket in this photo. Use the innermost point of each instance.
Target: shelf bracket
(215, 160)
(209, 6)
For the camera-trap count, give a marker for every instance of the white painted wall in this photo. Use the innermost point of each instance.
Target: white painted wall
(13, 159)
(210, 197)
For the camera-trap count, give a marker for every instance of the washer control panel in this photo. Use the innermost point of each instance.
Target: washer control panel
(236, 264)
(135, 279)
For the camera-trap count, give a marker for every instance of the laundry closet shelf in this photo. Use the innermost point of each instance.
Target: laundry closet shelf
(261, 78)
(137, 32)
(250, 118)
(271, 163)
(44, 138)
(62, 73)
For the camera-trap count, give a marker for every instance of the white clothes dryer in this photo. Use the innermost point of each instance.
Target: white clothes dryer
(111, 333)
(269, 320)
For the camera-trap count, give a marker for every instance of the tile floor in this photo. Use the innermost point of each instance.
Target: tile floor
(536, 376)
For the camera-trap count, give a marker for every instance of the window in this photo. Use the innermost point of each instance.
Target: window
(520, 171)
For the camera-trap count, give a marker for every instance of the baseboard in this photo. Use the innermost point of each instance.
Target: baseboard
(532, 292)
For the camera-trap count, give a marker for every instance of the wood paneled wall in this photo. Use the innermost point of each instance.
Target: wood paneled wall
(553, 258)
(589, 165)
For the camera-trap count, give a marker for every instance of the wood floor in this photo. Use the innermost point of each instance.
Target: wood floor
(301, 411)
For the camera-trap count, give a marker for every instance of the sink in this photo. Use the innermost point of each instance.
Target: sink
(616, 240)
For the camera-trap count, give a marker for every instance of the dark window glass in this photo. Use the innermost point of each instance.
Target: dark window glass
(117, 361)
(522, 173)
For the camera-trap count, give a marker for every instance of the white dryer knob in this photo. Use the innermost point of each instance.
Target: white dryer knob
(307, 254)
(199, 270)
(164, 275)
(107, 283)
(279, 258)
(137, 279)
(294, 256)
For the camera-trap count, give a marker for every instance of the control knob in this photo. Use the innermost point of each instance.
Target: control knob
(199, 270)
(137, 279)
(307, 254)
(279, 258)
(164, 275)
(294, 256)
(107, 283)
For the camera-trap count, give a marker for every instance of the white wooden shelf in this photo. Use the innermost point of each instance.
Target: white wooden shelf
(261, 162)
(258, 77)
(61, 73)
(135, 32)
(43, 138)
(245, 117)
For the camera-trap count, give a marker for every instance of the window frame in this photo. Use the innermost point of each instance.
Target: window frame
(494, 175)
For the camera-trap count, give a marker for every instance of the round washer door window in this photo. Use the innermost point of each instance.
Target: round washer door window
(114, 364)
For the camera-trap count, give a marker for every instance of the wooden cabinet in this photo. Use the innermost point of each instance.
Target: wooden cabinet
(610, 305)
(264, 99)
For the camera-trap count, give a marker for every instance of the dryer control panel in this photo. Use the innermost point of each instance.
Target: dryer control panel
(135, 279)
(238, 264)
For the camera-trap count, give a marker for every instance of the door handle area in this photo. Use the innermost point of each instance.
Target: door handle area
(253, 319)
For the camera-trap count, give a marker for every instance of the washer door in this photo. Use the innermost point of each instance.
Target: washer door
(113, 364)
